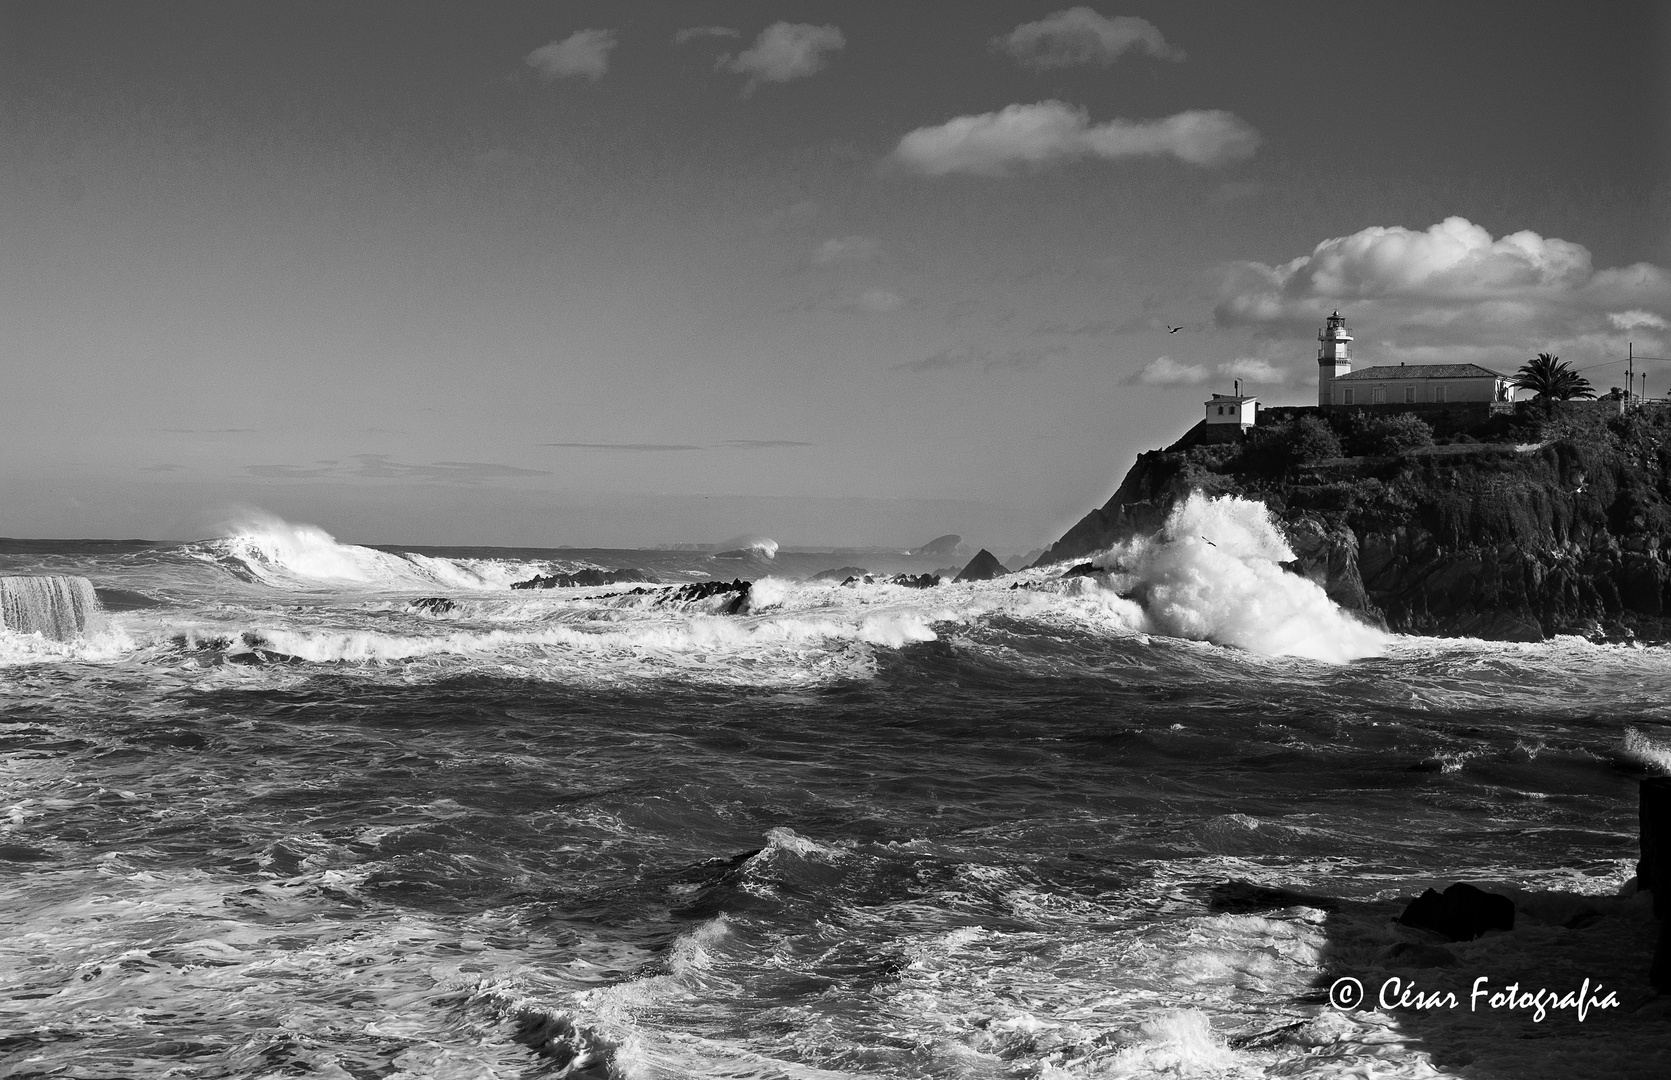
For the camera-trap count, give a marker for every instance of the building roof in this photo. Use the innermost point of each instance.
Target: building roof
(1223, 399)
(1423, 371)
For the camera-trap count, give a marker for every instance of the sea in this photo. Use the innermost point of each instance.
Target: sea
(275, 805)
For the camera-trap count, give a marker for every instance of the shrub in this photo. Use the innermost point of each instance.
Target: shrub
(1311, 440)
(1387, 435)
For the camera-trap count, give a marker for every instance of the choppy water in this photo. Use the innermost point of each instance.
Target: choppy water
(274, 819)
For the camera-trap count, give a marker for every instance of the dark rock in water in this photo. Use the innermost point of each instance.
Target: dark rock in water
(702, 590)
(1084, 569)
(591, 577)
(434, 605)
(1461, 913)
(940, 547)
(839, 574)
(920, 581)
(983, 567)
(1239, 897)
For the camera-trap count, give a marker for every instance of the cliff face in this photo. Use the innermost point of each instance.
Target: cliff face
(1562, 526)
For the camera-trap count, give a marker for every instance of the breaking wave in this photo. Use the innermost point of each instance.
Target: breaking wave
(275, 552)
(1214, 573)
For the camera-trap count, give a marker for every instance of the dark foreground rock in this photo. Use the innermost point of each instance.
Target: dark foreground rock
(920, 581)
(738, 590)
(1536, 524)
(1461, 913)
(590, 577)
(1653, 870)
(983, 567)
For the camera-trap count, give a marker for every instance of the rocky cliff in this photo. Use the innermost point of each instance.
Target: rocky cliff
(1551, 521)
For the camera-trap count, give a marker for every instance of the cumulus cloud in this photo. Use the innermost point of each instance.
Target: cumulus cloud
(785, 51)
(1079, 35)
(1451, 290)
(845, 249)
(583, 54)
(1630, 320)
(1165, 371)
(1252, 369)
(691, 33)
(1053, 132)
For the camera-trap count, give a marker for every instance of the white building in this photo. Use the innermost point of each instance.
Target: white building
(1239, 409)
(1405, 384)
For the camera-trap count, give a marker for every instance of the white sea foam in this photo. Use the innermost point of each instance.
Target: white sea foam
(280, 553)
(1654, 753)
(1214, 573)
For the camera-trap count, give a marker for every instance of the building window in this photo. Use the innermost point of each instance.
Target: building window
(1409, 393)
(1438, 393)
(1221, 410)
(1378, 395)
(1346, 396)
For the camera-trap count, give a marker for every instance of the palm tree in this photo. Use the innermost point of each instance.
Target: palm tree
(1553, 379)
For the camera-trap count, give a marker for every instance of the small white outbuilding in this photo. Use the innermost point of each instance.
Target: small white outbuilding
(1239, 409)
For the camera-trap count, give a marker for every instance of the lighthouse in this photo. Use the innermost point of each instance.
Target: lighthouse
(1334, 357)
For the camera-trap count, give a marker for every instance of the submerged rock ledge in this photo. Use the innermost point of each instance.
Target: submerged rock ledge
(1547, 522)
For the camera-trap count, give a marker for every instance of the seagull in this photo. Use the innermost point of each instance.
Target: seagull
(1209, 542)
(1170, 329)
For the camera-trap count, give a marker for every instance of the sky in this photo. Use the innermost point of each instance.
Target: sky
(627, 274)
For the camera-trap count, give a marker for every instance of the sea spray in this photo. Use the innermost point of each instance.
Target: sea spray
(60, 607)
(269, 550)
(1214, 573)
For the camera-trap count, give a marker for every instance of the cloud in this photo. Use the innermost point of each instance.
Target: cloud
(785, 51)
(981, 358)
(1630, 320)
(762, 444)
(378, 466)
(1252, 369)
(1430, 294)
(627, 448)
(585, 53)
(691, 33)
(1079, 35)
(845, 249)
(1165, 371)
(1052, 132)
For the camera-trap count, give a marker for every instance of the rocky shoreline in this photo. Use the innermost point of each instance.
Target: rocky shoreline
(1546, 523)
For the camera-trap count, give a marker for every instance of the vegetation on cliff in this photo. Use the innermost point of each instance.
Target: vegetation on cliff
(1553, 519)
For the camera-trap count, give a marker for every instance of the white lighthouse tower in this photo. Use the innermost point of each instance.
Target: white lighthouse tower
(1334, 357)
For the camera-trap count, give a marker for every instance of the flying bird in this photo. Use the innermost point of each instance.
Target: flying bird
(1209, 542)
(1170, 329)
